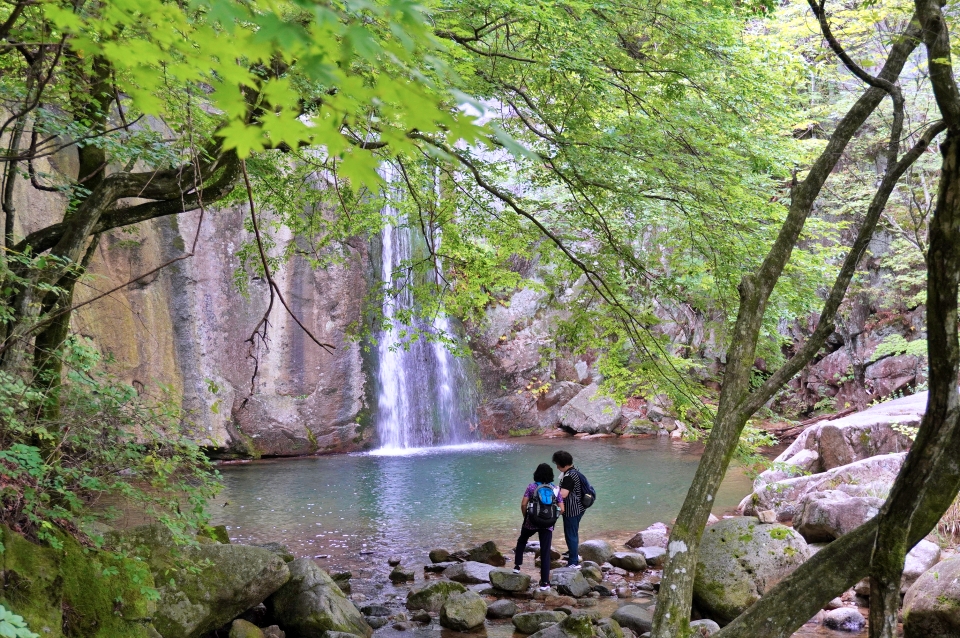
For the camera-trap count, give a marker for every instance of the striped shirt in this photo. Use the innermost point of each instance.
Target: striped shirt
(572, 505)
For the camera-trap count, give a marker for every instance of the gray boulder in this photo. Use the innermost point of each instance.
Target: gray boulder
(869, 477)
(845, 619)
(705, 627)
(590, 414)
(931, 608)
(463, 612)
(529, 622)
(921, 558)
(570, 582)
(656, 535)
(655, 556)
(311, 604)
(502, 608)
(598, 551)
(432, 595)
(635, 617)
(630, 561)
(741, 559)
(827, 515)
(506, 580)
(470, 572)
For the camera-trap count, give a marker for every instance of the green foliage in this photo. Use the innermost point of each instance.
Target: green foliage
(13, 626)
(896, 344)
(109, 450)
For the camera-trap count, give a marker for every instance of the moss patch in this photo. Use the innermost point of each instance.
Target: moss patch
(32, 583)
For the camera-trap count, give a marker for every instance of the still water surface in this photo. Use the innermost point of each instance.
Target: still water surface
(342, 507)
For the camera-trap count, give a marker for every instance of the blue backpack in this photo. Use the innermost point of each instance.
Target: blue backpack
(589, 496)
(543, 508)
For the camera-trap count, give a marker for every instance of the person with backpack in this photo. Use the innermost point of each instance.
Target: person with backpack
(541, 506)
(577, 495)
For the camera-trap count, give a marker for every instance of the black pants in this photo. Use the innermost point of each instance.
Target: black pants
(546, 536)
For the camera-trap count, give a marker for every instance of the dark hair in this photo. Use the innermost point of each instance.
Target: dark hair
(543, 474)
(563, 459)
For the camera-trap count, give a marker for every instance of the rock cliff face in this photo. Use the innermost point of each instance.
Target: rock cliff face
(186, 328)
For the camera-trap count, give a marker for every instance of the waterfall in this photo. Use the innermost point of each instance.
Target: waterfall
(425, 395)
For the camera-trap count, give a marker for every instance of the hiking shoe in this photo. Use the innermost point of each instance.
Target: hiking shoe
(544, 588)
(575, 566)
(516, 570)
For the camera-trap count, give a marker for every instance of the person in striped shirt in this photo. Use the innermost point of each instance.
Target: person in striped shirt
(571, 491)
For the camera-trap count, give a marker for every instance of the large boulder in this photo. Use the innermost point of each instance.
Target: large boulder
(506, 580)
(570, 582)
(869, 477)
(635, 617)
(921, 558)
(827, 515)
(530, 622)
(433, 594)
(311, 604)
(598, 551)
(590, 414)
(202, 587)
(740, 559)
(931, 608)
(834, 443)
(657, 535)
(463, 611)
(470, 572)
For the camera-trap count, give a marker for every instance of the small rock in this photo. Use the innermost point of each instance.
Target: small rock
(530, 622)
(598, 551)
(342, 579)
(273, 631)
(469, 572)
(922, 557)
(836, 603)
(377, 621)
(630, 561)
(242, 629)
(767, 516)
(439, 567)
(421, 616)
(487, 553)
(862, 588)
(328, 634)
(635, 617)
(439, 555)
(570, 582)
(846, 619)
(624, 592)
(401, 574)
(403, 625)
(375, 610)
(502, 608)
(433, 594)
(656, 556)
(656, 535)
(506, 580)
(705, 627)
(605, 588)
(393, 561)
(280, 550)
(589, 602)
(463, 612)
(591, 572)
(545, 625)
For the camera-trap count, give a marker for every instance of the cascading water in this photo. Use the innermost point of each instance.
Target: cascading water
(425, 396)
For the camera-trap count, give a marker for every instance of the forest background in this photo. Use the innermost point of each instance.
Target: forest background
(730, 158)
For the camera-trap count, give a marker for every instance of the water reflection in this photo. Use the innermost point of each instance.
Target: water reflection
(341, 506)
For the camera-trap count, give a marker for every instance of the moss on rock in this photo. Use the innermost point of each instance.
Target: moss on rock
(32, 583)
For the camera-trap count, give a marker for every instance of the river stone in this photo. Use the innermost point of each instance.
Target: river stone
(421, 616)
(311, 604)
(279, 549)
(401, 574)
(931, 608)
(741, 559)
(243, 629)
(375, 610)
(337, 634)
(845, 619)
(587, 413)
(656, 535)
(591, 572)
(704, 627)
(635, 617)
(506, 580)
(463, 611)
(610, 628)
(470, 572)
(581, 626)
(827, 515)
(439, 568)
(629, 561)
(487, 553)
(570, 582)
(433, 594)
(439, 555)
(922, 557)
(598, 551)
(655, 556)
(529, 622)
(377, 621)
(274, 631)
(502, 608)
